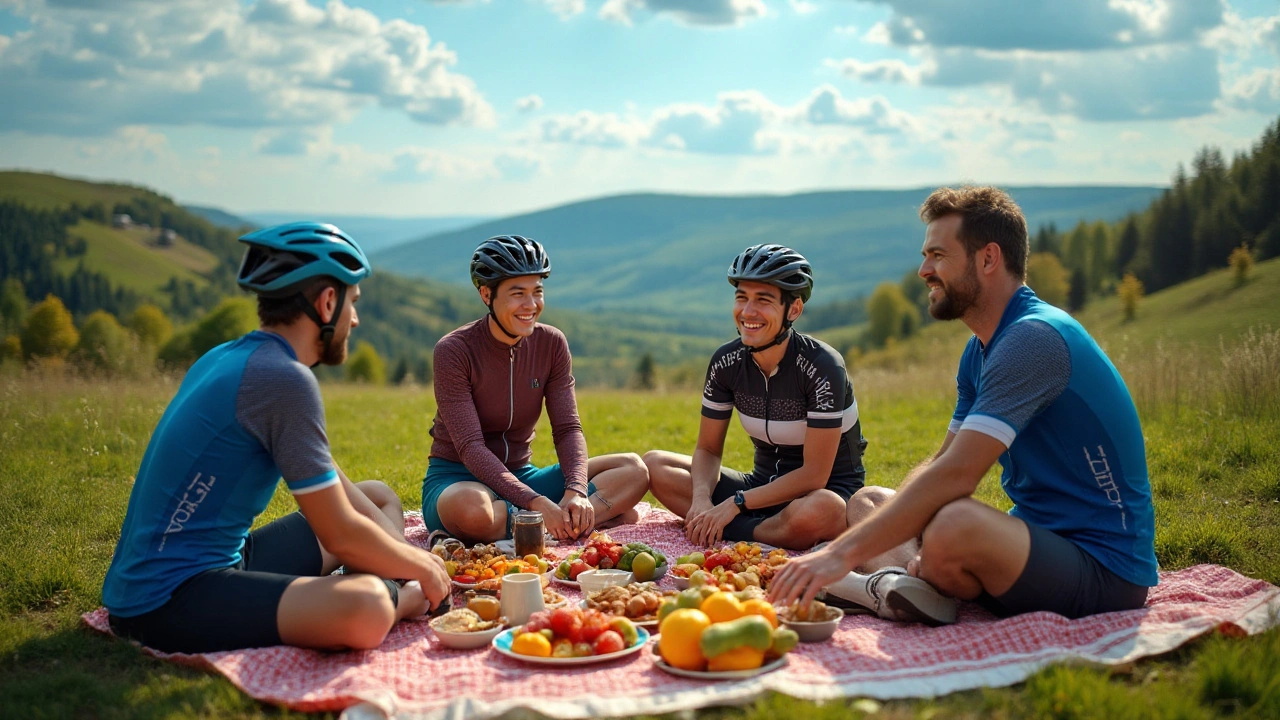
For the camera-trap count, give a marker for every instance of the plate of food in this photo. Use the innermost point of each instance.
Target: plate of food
(733, 567)
(602, 553)
(638, 602)
(719, 674)
(548, 638)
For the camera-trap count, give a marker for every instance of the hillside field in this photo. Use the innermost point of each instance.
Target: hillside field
(70, 446)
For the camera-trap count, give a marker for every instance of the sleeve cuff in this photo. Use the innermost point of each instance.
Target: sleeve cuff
(992, 427)
(954, 427)
(312, 484)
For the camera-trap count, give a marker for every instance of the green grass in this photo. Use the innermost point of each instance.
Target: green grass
(47, 192)
(128, 261)
(69, 448)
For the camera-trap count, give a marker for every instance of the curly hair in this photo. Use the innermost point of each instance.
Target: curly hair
(987, 215)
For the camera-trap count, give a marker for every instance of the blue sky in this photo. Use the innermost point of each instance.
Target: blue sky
(439, 107)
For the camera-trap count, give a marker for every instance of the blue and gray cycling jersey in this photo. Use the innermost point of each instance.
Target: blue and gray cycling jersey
(808, 389)
(1076, 462)
(246, 413)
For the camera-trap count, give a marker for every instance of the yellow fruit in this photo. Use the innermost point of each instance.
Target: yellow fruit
(643, 567)
(761, 608)
(535, 644)
(680, 638)
(722, 607)
(740, 658)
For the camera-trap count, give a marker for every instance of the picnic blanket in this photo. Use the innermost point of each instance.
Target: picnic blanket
(413, 676)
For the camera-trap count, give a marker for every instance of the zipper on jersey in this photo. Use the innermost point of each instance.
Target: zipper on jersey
(511, 404)
(766, 408)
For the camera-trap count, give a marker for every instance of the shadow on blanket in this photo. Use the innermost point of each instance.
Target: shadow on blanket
(412, 675)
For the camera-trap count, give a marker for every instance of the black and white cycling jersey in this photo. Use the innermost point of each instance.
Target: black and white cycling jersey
(809, 388)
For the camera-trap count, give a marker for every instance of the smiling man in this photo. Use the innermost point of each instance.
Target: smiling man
(492, 378)
(795, 401)
(1036, 393)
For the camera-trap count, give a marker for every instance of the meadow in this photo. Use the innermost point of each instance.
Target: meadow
(1207, 393)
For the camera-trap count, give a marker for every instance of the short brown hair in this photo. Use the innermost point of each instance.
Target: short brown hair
(987, 215)
(284, 310)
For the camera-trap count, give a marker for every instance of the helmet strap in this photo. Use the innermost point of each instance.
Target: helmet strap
(496, 321)
(327, 329)
(785, 332)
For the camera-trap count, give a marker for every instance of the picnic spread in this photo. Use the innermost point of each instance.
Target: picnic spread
(413, 674)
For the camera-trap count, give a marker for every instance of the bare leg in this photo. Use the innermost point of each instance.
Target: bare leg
(343, 611)
(969, 547)
(387, 502)
(670, 479)
(472, 512)
(861, 506)
(805, 521)
(621, 480)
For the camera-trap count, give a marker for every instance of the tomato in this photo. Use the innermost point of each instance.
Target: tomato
(615, 552)
(567, 623)
(591, 556)
(608, 642)
(577, 568)
(592, 626)
(716, 560)
(464, 579)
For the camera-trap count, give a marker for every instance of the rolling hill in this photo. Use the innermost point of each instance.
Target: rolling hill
(667, 254)
(376, 233)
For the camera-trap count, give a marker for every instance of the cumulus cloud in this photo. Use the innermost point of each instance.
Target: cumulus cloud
(599, 129)
(292, 141)
(886, 71)
(1077, 25)
(709, 13)
(566, 9)
(1258, 91)
(874, 114)
(91, 67)
(421, 164)
(728, 128)
(529, 103)
(802, 7)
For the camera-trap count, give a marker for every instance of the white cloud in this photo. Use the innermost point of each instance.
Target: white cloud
(292, 141)
(803, 7)
(599, 129)
(566, 9)
(887, 71)
(878, 35)
(713, 13)
(1239, 35)
(873, 114)
(421, 164)
(729, 128)
(93, 67)
(529, 103)
(1258, 91)
(1077, 25)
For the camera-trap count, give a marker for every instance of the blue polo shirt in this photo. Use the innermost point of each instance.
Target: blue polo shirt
(1076, 461)
(246, 414)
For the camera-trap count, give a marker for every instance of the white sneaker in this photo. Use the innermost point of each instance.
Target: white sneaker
(901, 597)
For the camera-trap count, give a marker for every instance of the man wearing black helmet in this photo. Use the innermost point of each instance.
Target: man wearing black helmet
(795, 400)
(492, 377)
(187, 574)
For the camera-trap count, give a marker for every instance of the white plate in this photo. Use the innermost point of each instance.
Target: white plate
(502, 643)
(546, 580)
(722, 675)
(647, 624)
(657, 575)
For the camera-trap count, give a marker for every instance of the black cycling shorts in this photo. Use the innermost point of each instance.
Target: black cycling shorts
(234, 607)
(1062, 578)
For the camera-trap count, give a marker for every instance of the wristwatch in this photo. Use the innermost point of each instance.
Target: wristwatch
(740, 499)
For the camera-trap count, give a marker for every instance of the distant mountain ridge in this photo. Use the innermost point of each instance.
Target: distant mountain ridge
(645, 253)
(376, 233)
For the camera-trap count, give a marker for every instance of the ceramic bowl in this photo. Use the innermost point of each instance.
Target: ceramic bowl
(816, 631)
(467, 640)
(593, 581)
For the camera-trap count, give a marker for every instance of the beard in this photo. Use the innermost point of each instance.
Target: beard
(959, 297)
(335, 351)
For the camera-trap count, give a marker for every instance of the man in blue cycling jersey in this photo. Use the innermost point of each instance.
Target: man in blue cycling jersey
(188, 575)
(1036, 393)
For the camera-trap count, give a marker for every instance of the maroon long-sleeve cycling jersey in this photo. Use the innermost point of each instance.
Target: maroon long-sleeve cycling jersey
(489, 397)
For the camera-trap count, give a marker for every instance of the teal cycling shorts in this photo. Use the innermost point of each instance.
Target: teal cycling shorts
(548, 481)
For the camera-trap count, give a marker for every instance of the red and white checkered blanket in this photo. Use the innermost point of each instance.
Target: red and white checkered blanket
(412, 675)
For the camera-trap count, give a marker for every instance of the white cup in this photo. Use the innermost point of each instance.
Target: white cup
(521, 597)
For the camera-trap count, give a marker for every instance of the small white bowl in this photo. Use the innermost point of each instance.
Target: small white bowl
(816, 631)
(468, 640)
(593, 581)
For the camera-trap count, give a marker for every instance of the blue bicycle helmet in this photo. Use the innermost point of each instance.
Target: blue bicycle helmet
(281, 260)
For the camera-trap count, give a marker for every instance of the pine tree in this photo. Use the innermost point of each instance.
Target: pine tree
(644, 372)
(1078, 293)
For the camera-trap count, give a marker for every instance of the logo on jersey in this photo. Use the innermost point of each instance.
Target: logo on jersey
(1101, 470)
(534, 384)
(196, 493)
(824, 398)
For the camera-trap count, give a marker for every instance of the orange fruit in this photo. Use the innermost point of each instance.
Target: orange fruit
(530, 643)
(680, 638)
(722, 607)
(740, 658)
(762, 608)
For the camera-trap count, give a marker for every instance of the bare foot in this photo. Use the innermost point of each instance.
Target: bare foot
(630, 516)
(413, 602)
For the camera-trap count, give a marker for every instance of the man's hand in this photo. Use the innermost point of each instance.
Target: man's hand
(708, 528)
(804, 577)
(554, 518)
(580, 511)
(434, 580)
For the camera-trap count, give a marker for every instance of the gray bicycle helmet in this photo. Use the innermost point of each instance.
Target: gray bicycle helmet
(508, 256)
(775, 265)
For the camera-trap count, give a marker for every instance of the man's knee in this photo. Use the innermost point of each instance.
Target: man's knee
(636, 468)
(380, 494)
(865, 502)
(366, 610)
(818, 516)
(659, 466)
(954, 526)
(466, 512)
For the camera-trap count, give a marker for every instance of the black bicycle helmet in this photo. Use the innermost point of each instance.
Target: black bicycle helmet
(508, 256)
(775, 265)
